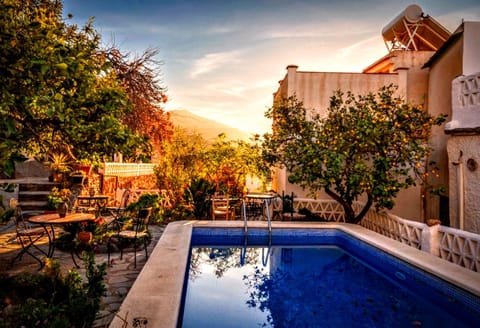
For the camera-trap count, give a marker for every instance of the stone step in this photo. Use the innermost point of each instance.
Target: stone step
(33, 205)
(33, 196)
(45, 186)
(26, 196)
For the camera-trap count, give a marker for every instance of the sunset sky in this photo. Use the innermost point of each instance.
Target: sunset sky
(223, 59)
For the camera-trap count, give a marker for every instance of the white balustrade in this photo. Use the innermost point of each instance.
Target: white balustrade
(460, 247)
(453, 245)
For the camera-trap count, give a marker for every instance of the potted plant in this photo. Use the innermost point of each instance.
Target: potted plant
(58, 199)
(60, 165)
(83, 165)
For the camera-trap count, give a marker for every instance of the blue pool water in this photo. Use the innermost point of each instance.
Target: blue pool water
(312, 278)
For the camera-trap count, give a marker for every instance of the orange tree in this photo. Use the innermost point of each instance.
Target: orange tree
(368, 145)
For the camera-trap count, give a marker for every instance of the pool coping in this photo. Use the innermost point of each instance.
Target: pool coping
(156, 294)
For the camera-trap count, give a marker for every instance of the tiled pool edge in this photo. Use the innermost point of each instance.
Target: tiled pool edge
(156, 294)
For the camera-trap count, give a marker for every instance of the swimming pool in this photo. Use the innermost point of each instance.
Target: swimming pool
(155, 298)
(331, 280)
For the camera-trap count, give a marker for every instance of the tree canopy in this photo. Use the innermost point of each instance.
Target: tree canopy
(368, 145)
(140, 77)
(191, 163)
(58, 91)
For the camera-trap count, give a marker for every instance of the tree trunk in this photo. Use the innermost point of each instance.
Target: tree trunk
(350, 216)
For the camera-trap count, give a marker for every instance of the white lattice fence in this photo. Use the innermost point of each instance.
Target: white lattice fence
(328, 209)
(404, 231)
(164, 199)
(460, 247)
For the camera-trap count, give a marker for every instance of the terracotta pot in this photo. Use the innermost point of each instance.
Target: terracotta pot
(85, 236)
(84, 168)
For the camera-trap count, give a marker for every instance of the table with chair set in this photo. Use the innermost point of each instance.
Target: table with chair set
(30, 231)
(257, 206)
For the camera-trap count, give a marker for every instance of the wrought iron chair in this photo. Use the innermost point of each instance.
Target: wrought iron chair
(28, 236)
(136, 234)
(115, 212)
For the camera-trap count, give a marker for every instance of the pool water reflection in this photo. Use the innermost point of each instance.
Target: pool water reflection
(306, 286)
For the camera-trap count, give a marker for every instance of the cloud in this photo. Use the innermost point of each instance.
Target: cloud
(220, 29)
(213, 61)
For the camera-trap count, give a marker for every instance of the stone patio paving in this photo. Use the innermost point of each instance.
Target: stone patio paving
(118, 280)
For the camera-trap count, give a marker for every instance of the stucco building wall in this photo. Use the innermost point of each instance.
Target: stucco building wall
(454, 88)
(442, 72)
(464, 152)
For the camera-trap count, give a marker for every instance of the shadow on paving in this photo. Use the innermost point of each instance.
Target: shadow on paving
(118, 280)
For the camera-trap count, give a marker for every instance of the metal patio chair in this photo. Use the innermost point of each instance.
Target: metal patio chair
(116, 212)
(136, 234)
(28, 236)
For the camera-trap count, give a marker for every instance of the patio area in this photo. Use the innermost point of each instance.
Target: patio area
(118, 280)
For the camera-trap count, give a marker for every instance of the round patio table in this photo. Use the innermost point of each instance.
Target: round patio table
(266, 199)
(48, 221)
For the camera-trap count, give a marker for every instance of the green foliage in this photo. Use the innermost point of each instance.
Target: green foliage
(198, 194)
(147, 200)
(52, 299)
(228, 163)
(6, 214)
(57, 90)
(57, 197)
(373, 145)
(191, 168)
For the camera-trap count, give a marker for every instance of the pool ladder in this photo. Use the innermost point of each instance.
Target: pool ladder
(245, 220)
(245, 229)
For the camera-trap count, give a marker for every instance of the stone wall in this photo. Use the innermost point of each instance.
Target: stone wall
(111, 184)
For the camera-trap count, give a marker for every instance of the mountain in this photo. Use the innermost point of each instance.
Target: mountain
(209, 129)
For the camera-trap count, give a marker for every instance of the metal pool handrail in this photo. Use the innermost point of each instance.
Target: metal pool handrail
(243, 251)
(269, 220)
(244, 211)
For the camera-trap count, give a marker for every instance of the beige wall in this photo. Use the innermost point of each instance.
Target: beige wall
(316, 88)
(459, 170)
(442, 72)
(471, 57)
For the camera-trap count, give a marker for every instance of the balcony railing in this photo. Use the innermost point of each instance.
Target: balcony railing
(127, 169)
(465, 104)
